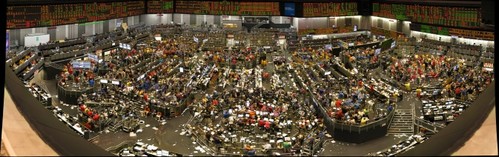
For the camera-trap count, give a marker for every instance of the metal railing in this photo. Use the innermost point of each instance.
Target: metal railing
(434, 127)
(356, 127)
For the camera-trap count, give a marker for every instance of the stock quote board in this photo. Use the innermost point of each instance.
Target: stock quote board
(445, 16)
(61, 14)
(159, 6)
(330, 9)
(228, 8)
(465, 33)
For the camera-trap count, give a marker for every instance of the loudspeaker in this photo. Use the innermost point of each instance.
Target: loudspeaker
(365, 8)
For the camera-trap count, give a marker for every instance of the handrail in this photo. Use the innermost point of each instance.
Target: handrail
(370, 124)
(460, 130)
(434, 127)
(55, 133)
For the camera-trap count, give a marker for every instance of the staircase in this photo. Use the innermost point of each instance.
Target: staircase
(306, 152)
(402, 122)
(115, 126)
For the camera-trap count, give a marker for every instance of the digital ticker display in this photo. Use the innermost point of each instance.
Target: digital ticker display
(474, 34)
(61, 14)
(228, 8)
(437, 15)
(159, 6)
(330, 9)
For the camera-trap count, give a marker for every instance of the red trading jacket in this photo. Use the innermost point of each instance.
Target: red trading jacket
(338, 102)
(146, 98)
(96, 117)
(261, 122)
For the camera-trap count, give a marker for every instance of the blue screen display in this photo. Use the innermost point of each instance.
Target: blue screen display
(7, 42)
(289, 9)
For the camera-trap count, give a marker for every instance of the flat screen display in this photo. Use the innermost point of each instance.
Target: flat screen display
(7, 42)
(289, 9)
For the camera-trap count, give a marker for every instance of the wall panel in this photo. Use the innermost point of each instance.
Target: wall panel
(200, 19)
(217, 20)
(178, 18)
(105, 26)
(192, 20)
(186, 18)
(210, 19)
(311, 23)
(52, 33)
(23, 33)
(99, 28)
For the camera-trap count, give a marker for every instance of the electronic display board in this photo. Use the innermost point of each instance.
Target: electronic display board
(81, 65)
(437, 15)
(330, 9)
(159, 6)
(465, 33)
(7, 41)
(435, 30)
(289, 9)
(227, 8)
(61, 14)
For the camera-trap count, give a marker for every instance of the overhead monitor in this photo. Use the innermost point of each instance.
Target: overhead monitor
(103, 81)
(289, 9)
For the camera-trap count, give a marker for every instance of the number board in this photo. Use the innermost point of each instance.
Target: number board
(61, 14)
(330, 9)
(446, 16)
(228, 8)
(159, 6)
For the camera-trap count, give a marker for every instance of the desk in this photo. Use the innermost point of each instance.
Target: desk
(70, 94)
(74, 127)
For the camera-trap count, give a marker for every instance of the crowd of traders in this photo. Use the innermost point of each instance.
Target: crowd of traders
(233, 111)
(243, 107)
(451, 75)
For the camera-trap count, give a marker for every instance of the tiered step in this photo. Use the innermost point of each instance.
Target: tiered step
(402, 122)
(115, 127)
(305, 152)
